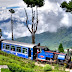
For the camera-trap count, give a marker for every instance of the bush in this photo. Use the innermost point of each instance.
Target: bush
(15, 63)
(47, 67)
(5, 70)
(60, 49)
(17, 68)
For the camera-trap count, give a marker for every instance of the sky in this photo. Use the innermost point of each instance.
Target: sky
(51, 17)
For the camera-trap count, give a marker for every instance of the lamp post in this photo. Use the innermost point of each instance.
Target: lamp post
(12, 11)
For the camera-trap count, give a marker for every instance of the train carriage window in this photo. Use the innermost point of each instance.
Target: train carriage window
(3, 46)
(12, 48)
(40, 50)
(24, 50)
(18, 49)
(7, 47)
(46, 49)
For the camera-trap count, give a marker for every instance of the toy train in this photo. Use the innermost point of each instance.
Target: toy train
(34, 52)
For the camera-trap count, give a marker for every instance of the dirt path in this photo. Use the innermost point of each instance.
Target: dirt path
(70, 70)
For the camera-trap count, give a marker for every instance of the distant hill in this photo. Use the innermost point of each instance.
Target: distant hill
(52, 40)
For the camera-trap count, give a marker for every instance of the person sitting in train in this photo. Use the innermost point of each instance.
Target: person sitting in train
(12, 49)
(38, 51)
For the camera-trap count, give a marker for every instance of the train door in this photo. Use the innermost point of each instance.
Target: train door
(29, 52)
(34, 53)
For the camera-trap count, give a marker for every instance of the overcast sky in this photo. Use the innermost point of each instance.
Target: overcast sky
(51, 17)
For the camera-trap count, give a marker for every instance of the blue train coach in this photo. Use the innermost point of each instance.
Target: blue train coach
(20, 49)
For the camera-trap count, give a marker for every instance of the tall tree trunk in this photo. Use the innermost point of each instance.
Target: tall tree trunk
(34, 24)
(33, 38)
(12, 36)
(12, 26)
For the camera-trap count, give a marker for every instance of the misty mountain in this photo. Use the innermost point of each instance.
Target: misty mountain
(15, 21)
(52, 40)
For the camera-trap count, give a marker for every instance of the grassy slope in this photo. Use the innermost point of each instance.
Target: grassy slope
(14, 61)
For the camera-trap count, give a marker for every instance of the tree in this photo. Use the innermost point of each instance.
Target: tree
(68, 6)
(60, 49)
(12, 12)
(32, 3)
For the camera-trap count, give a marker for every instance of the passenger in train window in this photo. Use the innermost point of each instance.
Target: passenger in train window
(38, 50)
(12, 50)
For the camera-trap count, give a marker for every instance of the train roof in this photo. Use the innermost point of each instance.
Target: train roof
(19, 43)
(42, 47)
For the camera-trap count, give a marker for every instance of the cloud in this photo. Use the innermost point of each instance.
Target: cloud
(6, 3)
(51, 18)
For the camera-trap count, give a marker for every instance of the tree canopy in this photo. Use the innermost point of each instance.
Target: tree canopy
(33, 3)
(60, 49)
(68, 6)
(11, 11)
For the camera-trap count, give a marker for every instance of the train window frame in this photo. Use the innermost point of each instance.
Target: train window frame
(12, 48)
(40, 50)
(25, 50)
(7, 48)
(18, 49)
(3, 46)
(47, 49)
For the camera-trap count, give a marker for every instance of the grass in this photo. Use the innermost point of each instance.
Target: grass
(5, 70)
(17, 63)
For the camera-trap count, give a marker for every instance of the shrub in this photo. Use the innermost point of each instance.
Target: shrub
(47, 67)
(17, 68)
(5, 70)
(15, 63)
(60, 49)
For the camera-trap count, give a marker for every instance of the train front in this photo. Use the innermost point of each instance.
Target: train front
(44, 54)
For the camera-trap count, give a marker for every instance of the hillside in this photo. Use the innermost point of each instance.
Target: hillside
(52, 40)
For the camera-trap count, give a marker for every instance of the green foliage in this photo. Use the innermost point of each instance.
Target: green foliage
(17, 68)
(5, 70)
(47, 67)
(11, 11)
(17, 64)
(66, 5)
(60, 49)
(59, 68)
(34, 2)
